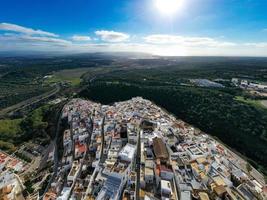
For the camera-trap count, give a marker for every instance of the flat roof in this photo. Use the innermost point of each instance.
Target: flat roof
(149, 171)
(166, 185)
(128, 151)
(203, 196)
(185, 195)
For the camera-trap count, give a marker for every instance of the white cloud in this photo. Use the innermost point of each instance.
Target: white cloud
(16, 38)
(46, 39)
(15, 35)
(163, 39)
(27, 39)
(24, 30)
(81, 38)
(112, 36)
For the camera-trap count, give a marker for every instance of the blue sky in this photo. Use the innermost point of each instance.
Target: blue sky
(197, 27)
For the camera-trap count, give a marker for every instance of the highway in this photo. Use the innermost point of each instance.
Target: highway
(29, 102)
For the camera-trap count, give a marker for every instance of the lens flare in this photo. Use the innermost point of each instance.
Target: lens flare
(169, 7)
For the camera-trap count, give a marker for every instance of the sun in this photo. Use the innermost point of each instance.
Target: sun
(169, 7)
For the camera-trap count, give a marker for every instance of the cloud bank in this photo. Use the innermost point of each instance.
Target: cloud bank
(14, 37)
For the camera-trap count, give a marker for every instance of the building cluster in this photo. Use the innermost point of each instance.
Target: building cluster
(25, 171)
(11, 186)
(136, 150)
(250, 85)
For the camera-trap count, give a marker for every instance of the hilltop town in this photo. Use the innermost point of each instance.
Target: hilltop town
(133, 100)
(135, 150)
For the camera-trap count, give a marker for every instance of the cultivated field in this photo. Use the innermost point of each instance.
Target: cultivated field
(70, 75)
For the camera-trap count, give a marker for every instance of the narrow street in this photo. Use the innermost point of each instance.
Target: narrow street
(137, 168)
(102, 160)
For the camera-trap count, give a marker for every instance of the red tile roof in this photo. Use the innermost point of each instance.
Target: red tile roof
(81, 147)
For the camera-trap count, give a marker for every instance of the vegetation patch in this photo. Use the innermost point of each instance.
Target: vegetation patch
(7, 146)
(9, 129)
(255, 103)
(73, 76)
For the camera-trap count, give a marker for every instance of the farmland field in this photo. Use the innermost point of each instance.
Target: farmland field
(72, 76)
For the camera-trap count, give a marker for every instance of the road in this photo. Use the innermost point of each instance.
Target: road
(137, 168)
(102, 160)
(29, 102)
(36, 99)
(55, 142)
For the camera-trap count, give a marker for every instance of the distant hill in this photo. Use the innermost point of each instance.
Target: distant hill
(95, 55)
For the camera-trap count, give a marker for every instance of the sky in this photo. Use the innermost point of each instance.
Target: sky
(161, 27)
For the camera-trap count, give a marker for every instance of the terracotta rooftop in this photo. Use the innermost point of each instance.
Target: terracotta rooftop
(219, 190)
(160, 149)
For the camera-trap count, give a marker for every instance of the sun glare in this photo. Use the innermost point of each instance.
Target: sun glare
(169, 7)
